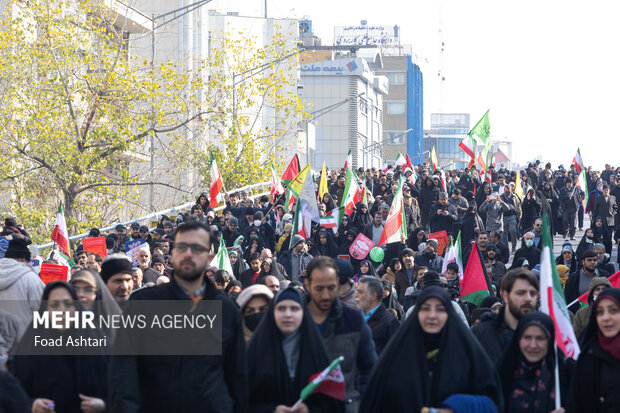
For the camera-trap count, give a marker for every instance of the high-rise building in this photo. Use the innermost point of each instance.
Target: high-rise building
(403, 108)
(446, 132)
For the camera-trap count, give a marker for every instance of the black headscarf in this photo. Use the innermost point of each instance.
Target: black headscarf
(403, 380)
(270, 383)
(529, 387)
(60, 377)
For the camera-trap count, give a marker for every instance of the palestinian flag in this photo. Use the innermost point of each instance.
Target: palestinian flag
(221, 259)
(615, 283)
(352, 193)
(395, 224)
(60, 258)
(400, 162)
(329, 382)
(348, 164)
(291, 171)
(475, 285)
(276, 185)
(552, 297)
(60, 235)
(332, 219)
(578, 162)
(217, 183)
(454, 255)
(468, 145)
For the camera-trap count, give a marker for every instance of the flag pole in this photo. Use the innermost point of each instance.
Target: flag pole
(558, 401)
(573, 303)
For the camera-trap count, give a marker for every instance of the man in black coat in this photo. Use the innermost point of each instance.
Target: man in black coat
(528, 250)
(605, 207)
(578, 282)
(519, 289)
(442, 215)
(382, 323)
(405, 277)
(188, 383)
(569, 200)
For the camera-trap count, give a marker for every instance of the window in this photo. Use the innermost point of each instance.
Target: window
(395, 137)
(395, 108)
(396, 78)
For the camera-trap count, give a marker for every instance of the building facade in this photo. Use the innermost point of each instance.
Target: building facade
(345, 98)
(403, 108)
(446, 132)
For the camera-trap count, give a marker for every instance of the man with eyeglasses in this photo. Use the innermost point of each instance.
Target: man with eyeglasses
(578, 282)
(185, 383)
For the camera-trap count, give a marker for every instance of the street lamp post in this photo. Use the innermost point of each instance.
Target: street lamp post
(172, 15)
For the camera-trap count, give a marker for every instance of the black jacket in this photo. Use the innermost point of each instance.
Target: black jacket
(531, 254)
(383, 326)
(491, 333)
(571, 289)
(184, 383)
(13, 399)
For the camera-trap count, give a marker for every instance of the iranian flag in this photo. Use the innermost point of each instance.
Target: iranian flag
(352, 193)
(348, 164)
(409, 164)
(432, 159)
(578, 162)
(454, 255)
(582, 183)
(395, 224)
(298, 225)
(400, 161)
(60, 235)
(221, 259)
(468, 145)
(475, 284)
(552, 297)
(385, 168)
(276, 185)
(329, 382)
(308, 205)
(482, 163)
(332, 219)
(217, 183)
(291, 171)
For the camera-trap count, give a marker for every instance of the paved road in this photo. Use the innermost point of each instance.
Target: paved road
(558, 240)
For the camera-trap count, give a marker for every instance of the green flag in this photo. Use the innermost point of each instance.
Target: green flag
(483, 129)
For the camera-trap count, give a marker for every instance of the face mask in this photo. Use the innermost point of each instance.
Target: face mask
(529, 243)
(251, 321)
(257, 223)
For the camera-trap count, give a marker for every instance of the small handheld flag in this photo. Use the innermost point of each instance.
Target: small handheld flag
(329, 382)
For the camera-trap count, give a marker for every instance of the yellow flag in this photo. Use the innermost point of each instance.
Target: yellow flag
(298, 181)
(323, 184)
(518, 187)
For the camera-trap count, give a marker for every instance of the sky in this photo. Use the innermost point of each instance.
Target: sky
(547, 70)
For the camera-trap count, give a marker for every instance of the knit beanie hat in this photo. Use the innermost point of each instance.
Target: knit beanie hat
(17, 249)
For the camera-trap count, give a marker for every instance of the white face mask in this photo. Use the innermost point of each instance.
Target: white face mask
(529, 242)
(257, 223)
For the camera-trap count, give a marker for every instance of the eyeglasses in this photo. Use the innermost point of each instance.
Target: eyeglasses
(85, 290)
(196, 248)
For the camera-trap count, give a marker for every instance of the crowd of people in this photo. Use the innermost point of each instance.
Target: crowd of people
(291, 305)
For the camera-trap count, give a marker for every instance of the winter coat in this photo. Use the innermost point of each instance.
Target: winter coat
(605, 208)
(495, 214)
(491, 333)
(287, 262)
(184, 383)
(571, 288)
(383, 326)
(531, 254)
(10, 332)
(442, 222)
(346, 334)
(20, 289)
(13, 398)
